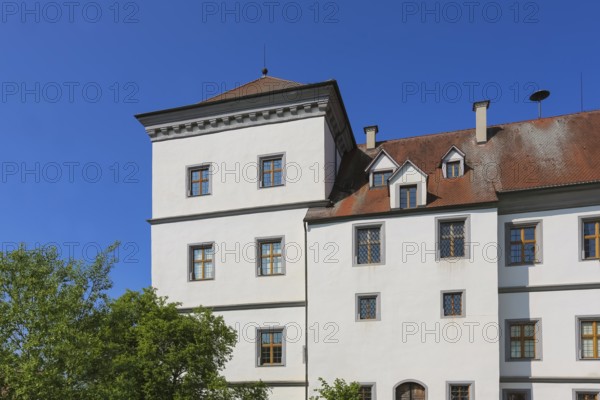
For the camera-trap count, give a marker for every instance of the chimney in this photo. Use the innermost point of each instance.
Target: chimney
(480, 108)
(371, 131)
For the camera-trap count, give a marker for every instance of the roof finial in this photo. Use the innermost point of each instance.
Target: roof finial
(265, 71)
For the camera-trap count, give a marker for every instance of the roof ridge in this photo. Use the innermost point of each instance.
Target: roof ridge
(466, 130)
(224, 94)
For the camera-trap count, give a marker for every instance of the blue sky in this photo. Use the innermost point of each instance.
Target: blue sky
(75, 166)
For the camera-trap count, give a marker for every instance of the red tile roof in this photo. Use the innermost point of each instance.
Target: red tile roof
(263, 84)
(554, 151)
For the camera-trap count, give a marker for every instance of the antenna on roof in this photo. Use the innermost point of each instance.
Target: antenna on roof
(265, 71)
(538, 97)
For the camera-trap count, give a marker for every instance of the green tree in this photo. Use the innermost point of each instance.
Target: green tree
(158, 353)
(50, 314)
(62, 337)
(339, 391)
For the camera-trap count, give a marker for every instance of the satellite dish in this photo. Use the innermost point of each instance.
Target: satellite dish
(538, 97)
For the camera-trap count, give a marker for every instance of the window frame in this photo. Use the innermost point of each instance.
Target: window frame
(191, 248)
(372, 385)
(417, 197)
(507, 392)
(581, 237)
(579, 319)
(539, 240)
(358, 297)
(268, 157)
(259, 332)
(466, 219)
(355, 229)
(458, 169)
(463, 309)
(538, 339)
(470, 384)
(188, 179)
(377, 172)
(269, 239)
(577, 392)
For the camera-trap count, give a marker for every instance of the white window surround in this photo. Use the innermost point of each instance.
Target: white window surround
(452, 155)
(539, 240)
(373, 387)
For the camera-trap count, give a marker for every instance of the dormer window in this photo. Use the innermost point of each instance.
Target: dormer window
(380, 178)
(408, 196)
(381, 168)
(453, 169)
(453, 163)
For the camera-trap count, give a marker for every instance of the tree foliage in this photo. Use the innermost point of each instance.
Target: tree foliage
(62, 337)
(340, 390)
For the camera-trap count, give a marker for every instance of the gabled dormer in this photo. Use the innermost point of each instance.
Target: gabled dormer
(408, 187)
(453, 163)
(381, 169)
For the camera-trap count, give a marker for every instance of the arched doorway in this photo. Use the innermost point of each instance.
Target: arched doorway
(410, 391)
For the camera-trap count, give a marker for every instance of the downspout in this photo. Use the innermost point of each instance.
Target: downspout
(306, 309)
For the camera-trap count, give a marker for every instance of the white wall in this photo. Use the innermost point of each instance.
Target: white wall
(236, 152)
(408, 175)
(561, 263)
(410, 285)
(235, 266)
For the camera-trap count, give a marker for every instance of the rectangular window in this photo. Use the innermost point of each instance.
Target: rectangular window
(380, 178)
(202, 262)
(271, 170)
(271, 347)
(368, 245)
(453, 304)
(590, 339)
(366, 392)
(523, 340)
(587, 395)
(452, 239)
(408, 196)
(523, 244)
(453, 169)
(270, 257)
(515, 394)
(460, 392)
(591, 240)
(367, 307)
(199, 181)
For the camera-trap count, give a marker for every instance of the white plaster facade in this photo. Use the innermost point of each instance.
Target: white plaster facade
(314, 300)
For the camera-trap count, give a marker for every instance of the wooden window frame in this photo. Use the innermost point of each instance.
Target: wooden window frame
(381, 173)
(203, 261)
(271, 346)
(537, 339)
(595, 319)
(271, 157)
(190, 181)
(452, 164)
(596, 236)
(465, 238)
(370, 386)
(355, 243)
(593, 392)
(408, 187)
(260, 256)
(538, 232)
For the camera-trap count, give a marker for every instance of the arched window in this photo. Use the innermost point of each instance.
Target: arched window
(410, 391)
